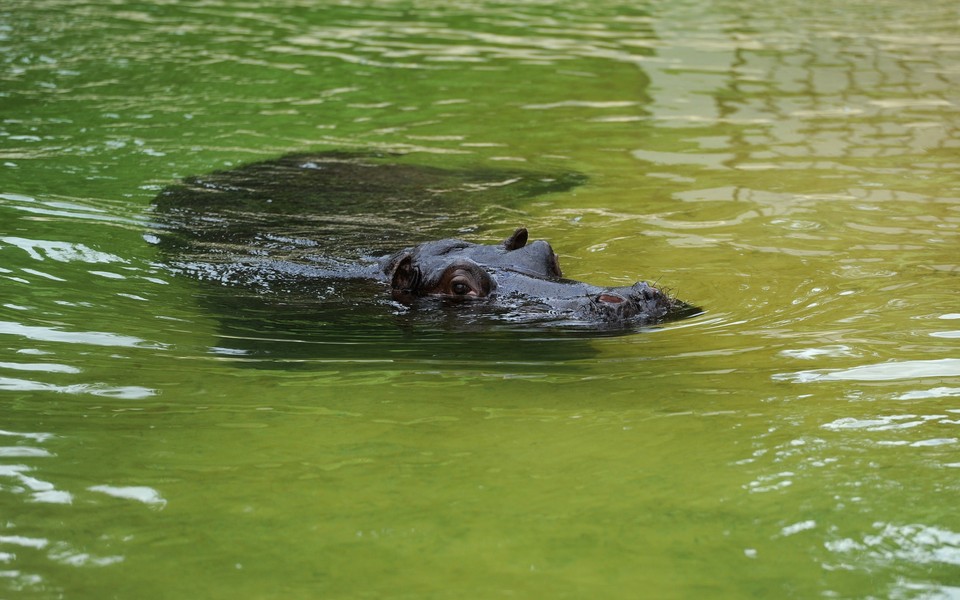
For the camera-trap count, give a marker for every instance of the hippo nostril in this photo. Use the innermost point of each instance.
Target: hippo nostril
(609, 298)
(645, 292)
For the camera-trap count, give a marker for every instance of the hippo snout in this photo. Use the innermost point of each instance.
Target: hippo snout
(639, 301)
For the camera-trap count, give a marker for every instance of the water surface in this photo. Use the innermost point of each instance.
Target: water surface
(790, 167)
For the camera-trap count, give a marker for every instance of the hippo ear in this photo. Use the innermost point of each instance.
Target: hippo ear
(517, 240)
(406, 277)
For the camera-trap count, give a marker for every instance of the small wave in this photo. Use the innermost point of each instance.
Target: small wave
(40, 491)
(70, 208)
(44, 367)
(140, 493)
(55, 334)
(889, 371)
(61, 251)
(128, 392)
(916, 544)
(937, 392)
(886, 423)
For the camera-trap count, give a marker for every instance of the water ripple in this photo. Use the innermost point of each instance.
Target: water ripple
(70, 209)
(38, 489)
(45, 367)
(124, 392)
(889, 371)
(913, 543)
(24, 480)
(144, 494)
(937, 392)
(56, 334)
(60, 251)
(887, 423)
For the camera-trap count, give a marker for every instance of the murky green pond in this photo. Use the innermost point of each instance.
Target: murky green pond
(792, 167)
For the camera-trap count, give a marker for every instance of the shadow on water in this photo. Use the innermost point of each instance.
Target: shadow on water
(287, 255)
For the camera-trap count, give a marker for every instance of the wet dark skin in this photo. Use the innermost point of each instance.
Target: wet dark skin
(530, 273)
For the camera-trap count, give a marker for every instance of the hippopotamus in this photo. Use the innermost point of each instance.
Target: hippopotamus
(525, 277)
(308, 229)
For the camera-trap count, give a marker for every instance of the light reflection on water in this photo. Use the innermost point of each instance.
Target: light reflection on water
(946, 367)
(791, 168)
(17, 544)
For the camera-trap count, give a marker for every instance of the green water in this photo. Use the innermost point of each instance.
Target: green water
(790, 166)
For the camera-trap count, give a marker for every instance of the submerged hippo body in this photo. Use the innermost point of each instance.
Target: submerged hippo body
(321, 233)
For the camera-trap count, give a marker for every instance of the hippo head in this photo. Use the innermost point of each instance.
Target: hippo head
(525, 279)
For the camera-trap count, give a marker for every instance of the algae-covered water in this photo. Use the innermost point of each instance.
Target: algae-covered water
(791, 167)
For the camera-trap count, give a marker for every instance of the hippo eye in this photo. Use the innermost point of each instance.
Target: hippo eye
(460, 286)
(464, 281)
